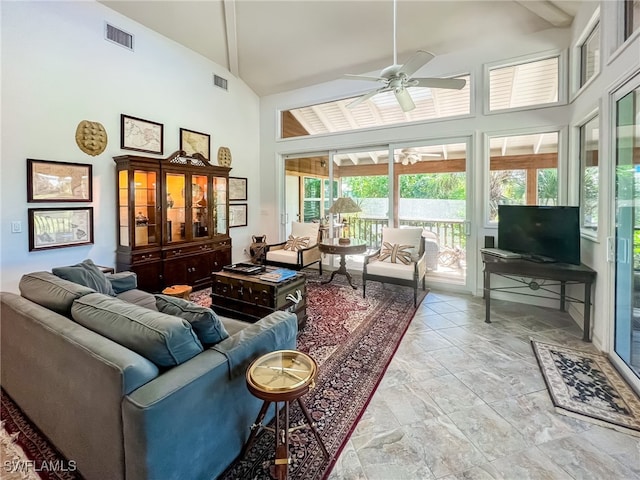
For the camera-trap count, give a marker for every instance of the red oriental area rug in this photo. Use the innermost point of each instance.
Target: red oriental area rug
(352, 339)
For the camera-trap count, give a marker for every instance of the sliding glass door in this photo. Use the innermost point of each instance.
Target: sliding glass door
(627, 230)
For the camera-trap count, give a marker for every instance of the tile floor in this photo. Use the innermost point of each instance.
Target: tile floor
(465, 400)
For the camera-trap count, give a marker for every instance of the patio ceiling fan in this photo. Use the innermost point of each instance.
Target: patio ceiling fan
(410, 156)
(397, 78)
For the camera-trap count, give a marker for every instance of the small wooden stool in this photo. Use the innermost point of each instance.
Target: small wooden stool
(178, 291)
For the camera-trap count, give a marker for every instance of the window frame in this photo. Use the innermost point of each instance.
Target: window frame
(591, 233)
(577, 86)
(515, 61)
(561, 167)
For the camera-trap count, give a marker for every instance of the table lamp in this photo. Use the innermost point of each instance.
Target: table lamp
(344, 205)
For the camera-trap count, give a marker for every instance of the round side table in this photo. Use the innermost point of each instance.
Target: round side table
(178, 291)
(282, 376)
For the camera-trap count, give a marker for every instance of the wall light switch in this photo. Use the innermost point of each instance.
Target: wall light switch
(16, 226)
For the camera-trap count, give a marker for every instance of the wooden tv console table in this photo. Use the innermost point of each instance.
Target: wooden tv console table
(516, 268)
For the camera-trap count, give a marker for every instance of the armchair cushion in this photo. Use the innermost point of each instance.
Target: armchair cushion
(411, 237)
(391, 270)
(310, 230)
(296, 243)
(395, 253)
(283, 256)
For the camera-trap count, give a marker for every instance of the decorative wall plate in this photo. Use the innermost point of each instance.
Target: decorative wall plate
(224, 157)
(91, 137)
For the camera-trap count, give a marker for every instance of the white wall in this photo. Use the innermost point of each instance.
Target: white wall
(58, 70)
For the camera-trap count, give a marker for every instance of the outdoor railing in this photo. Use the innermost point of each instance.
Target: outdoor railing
(450, 232)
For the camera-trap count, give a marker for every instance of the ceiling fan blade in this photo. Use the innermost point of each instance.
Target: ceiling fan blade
(366, 97)
(349, 76)
(418, 59)
(404, 99)
(453, 83)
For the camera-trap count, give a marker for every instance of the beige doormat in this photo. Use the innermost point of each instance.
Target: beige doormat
(586, 386)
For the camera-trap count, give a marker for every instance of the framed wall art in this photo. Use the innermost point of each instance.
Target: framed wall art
(237, 188)
(49, 181)
(141, 135)
(60, 227)
(195, 142)
(238, 215)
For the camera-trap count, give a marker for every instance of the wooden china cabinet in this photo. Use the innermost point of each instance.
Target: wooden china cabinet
(172, 220)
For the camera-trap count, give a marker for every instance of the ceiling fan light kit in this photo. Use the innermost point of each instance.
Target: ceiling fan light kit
(397, 78)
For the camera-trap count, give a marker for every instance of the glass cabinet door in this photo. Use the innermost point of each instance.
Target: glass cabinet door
(175, 230)
(220, 205)
(199, 206)
(145, 208)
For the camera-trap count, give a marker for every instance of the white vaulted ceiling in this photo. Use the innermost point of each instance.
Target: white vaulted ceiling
(276, 46)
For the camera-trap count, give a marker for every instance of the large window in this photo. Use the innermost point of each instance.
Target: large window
(380, 110)
(589, 133)
(523, 170)
(524, 85)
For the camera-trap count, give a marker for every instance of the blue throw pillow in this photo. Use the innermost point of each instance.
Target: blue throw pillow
(204, 321)
(87, 274)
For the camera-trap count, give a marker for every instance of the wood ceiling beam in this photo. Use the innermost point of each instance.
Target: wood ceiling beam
(230, 23)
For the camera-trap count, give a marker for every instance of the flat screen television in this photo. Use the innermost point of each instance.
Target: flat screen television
(540, 233)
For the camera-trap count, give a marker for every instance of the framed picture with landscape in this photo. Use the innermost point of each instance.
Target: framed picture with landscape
(195, 142)
(60, 227)
(141, 135)
(49, 181)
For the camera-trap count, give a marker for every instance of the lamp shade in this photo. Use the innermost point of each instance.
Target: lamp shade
(344, 205)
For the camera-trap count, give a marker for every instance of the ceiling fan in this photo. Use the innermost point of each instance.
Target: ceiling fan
(411, 156)
(397, 78)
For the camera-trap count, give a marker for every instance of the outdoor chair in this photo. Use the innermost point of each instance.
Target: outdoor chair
(299, 251)
(401, 260)
(431, 248)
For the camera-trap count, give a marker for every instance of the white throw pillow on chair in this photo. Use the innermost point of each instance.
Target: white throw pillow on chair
(409, 238)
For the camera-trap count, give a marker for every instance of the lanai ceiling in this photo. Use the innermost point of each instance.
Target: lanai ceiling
(276, 46)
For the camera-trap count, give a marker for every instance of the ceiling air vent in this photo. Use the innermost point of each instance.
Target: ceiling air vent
(220, 82)
(118, 36)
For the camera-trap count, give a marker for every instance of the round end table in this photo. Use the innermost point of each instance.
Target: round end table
(282, 376)
(178, 291)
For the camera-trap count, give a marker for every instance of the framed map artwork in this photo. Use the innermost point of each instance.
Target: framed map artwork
(238, 215)
(195, 142)
(60, 227)
(141, 135)
(49, 181)
(237, 188)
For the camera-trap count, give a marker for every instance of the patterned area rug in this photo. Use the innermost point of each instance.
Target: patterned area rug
(586, 386)
(352, 339)
(26, 454)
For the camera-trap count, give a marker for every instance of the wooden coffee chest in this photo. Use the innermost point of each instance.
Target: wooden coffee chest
(248, 298)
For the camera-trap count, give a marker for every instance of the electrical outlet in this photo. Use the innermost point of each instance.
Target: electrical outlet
(244, 250)
(16, 226)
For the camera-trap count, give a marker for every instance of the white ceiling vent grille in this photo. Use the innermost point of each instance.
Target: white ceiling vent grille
(115, 35)
(220, 82)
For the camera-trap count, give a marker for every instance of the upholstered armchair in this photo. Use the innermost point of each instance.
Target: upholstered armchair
(299, 251)
(401, 260)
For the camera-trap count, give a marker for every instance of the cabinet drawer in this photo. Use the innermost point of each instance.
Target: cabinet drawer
(186, 250)
(138, 258)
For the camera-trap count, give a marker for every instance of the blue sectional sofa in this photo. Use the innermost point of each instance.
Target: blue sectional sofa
(110, 408)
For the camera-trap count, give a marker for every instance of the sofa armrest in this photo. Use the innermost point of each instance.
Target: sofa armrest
(371, 256)
(198, 402)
